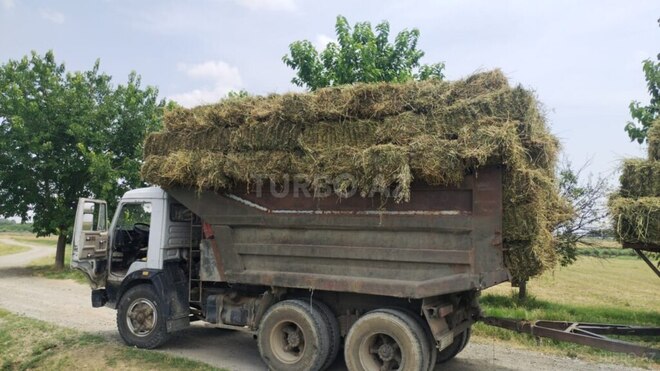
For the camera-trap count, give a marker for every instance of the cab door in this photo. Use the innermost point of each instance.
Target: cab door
(90, 241)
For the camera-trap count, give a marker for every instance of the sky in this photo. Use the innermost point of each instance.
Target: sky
(583, 58)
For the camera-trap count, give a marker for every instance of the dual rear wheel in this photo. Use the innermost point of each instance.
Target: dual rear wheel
(299, 335)
(389, 339)
(302, 335)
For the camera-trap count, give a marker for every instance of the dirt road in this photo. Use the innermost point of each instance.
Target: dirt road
(67, 303)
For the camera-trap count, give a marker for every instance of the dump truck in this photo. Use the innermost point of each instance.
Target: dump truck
(397, 282)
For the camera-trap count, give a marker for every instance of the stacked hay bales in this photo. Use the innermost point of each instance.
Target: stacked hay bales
(386, 136)
(636, 207)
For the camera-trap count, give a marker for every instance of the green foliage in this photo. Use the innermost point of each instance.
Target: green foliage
(238, 94)
(65, 135)
(643, 116)
(361, 54)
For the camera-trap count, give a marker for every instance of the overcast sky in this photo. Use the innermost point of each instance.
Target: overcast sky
(583, 58)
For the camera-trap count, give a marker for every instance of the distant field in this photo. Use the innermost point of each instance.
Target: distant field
(617, 290)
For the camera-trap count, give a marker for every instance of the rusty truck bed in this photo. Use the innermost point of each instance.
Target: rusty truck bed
(444, 240)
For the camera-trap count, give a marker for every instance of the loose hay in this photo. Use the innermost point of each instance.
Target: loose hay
(636, 220)
(653, 136)
(384, 136)
(640, 178)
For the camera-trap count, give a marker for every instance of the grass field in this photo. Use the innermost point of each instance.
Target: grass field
(30, 344)
(11, 249)
(618, 290)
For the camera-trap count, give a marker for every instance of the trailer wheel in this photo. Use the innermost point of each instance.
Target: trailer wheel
(332, 325)
(140, 318)
(460, 341)
(293, 336)
(386, 339)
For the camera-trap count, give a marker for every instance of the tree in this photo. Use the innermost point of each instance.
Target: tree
(360, 55)
(587, 198)
(643, 116)
(65, 136)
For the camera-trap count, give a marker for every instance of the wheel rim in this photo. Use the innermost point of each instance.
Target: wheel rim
(141, 317)
(380, 352)
(287, 342)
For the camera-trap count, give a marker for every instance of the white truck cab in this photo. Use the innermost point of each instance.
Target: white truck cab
(145, 243)
(111, 251)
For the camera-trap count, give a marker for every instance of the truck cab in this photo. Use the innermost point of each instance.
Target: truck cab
(116, 256)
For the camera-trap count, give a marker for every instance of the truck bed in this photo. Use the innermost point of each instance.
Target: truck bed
(445, 240)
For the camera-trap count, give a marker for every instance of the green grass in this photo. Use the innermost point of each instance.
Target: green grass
(15, 227)
(621, 291)
(45, 241)
(11, 249)
(31, 344)
(45, 267)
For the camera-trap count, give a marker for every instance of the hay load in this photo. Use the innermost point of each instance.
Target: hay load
(386, 136)
(654, 141)
(635, 209)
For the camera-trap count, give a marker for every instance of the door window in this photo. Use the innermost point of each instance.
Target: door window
(94, 217)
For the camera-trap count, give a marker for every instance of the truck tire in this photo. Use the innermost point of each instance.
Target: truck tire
(334, 332)
(140, 318)
(293, 335)
(433, 353)
(460, 341)
(386, 339)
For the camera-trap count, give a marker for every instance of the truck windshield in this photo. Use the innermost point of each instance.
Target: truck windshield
(134, 213)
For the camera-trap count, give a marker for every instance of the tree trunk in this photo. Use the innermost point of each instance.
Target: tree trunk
(522, 290)
(59, 252)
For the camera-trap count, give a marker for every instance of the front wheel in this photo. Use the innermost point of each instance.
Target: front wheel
(140, 318)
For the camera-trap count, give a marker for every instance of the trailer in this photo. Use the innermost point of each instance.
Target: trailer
(396, 283)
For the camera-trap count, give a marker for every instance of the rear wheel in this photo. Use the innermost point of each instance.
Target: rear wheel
(460, 342)
(140, 318)
(386, 339)
(293, 336)
(334, 333)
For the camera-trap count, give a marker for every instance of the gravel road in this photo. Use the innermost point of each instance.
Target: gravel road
(67, 303)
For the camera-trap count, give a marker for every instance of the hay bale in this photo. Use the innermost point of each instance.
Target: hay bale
(348, 133)
(265, 136)
(187, 139)
(653, 139)
(640, 178)
(383, 136)
(636, 220)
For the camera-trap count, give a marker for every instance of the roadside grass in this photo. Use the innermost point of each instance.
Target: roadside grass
(46, 241)
(45, 267)
(11, 249)
(31, 344)
(620, 291)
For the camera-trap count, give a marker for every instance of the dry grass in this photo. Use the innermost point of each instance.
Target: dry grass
(640, 178)
(654, 141)
(636, 220)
